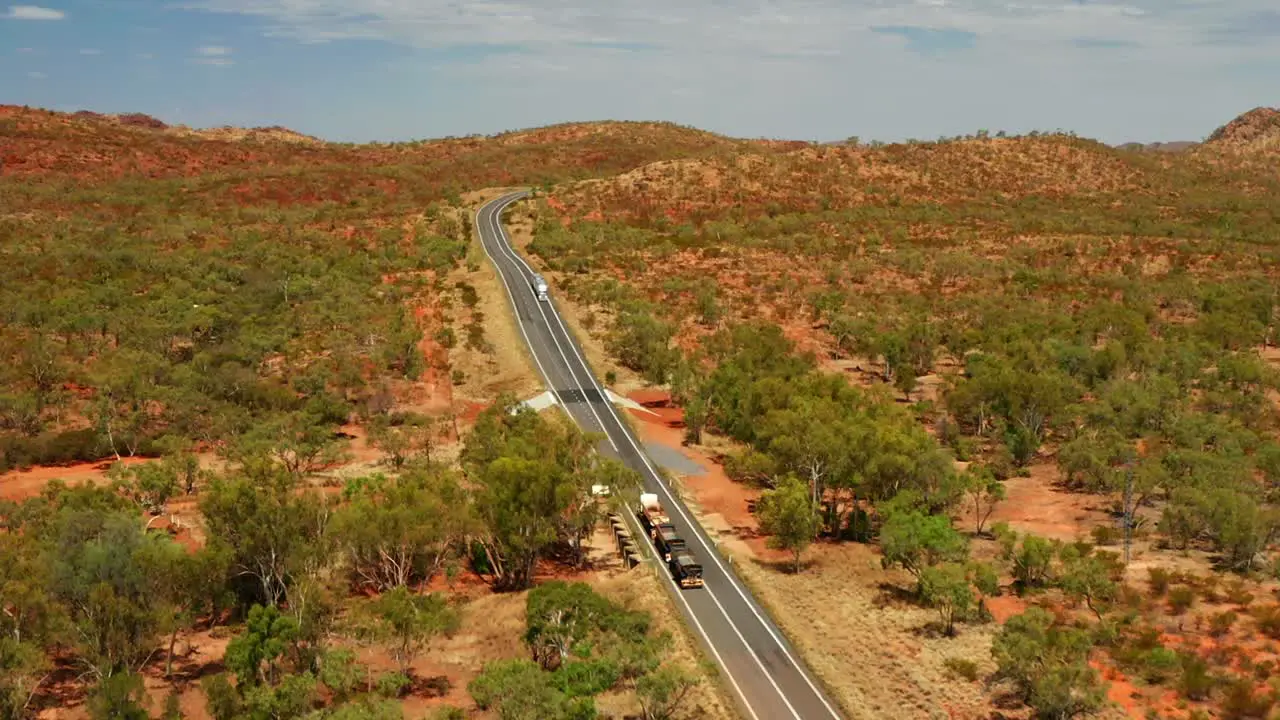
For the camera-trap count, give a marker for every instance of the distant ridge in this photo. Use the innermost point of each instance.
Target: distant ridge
(1170, 147)
(1260, 124)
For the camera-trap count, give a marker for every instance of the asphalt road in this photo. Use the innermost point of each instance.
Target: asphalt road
(756, 661)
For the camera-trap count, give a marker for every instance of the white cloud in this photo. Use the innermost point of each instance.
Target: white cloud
(90, 51)
(215, 55)
(34, 75)
(822, 27)
(34, 12)
(25, 50)
(814, 68)
(145, 56)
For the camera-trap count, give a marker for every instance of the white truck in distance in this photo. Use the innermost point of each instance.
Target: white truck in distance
(539, 287)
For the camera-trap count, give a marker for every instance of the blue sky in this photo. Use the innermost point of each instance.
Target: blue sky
(805, 69)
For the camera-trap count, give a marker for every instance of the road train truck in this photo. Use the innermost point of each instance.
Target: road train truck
(668, 540)
(652, 514)
(674, 550)
(685, 569)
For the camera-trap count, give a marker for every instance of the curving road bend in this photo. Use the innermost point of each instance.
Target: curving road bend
(756, 661)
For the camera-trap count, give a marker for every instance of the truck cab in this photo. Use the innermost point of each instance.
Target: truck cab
(685, 569)
(539, 285)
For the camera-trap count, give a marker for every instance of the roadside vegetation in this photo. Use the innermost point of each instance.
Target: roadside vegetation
(303, 581)
(161, 291)
(265, 365)
(941, 381)
(877, 343)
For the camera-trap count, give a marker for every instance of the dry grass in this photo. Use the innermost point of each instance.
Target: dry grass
(877, 656)
(506, 366)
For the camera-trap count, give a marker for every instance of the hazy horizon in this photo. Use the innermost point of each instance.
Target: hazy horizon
(386, 70)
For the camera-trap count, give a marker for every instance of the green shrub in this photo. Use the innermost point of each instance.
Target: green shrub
(642, 342)
(1181, 599)
(1220, 624)
(1195, 683)
(58, 448)
(1106, 633)
(1104, 535)
(1208, 587)
(1160, 665)
(341, 673)
(1268, 620)
(221, 699)
(476, 339)
(1032, 561)
(468, 292)
(520, 689)
(118, 697)
(446, 338)
(1241, 702)
(1134, 646)
(962, 668)
(1158, 580)
(392, 684)
(585, 678)
(1049, 664)
(1237, 592)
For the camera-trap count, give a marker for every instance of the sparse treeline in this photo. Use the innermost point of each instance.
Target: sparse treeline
(84, 582)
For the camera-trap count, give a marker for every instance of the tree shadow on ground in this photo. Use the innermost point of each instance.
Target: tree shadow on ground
(434, 686)
(188, 668)
(893, 595)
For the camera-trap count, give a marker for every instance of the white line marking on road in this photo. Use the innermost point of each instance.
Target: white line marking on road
(505, 246)
(515, 311)
(691, 614)
(697, 528)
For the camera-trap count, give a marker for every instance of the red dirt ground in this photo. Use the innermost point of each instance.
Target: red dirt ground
(358, 448)
(433, 392)
(22, 484)
(725, 504)
(1003, 607)
(1036, 504)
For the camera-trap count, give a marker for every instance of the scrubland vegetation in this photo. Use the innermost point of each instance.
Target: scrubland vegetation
(896, 354)
(313, 576)
(302, 510)
(881, 339)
